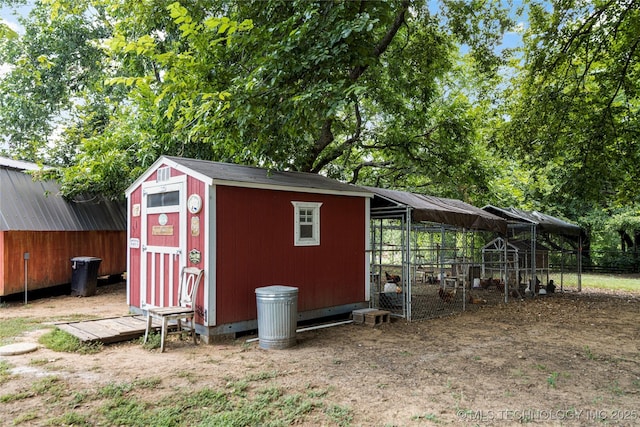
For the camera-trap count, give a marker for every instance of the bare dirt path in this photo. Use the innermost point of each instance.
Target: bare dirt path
(564, 359)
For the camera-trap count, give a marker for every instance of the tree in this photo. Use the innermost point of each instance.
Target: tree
(362, 91)
(573, 114)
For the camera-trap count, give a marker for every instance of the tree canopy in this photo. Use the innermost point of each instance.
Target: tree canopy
(401, 94)
(362, 91)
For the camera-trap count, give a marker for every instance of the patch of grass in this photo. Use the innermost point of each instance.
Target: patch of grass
(13, 397)
(239, 387)
(606, 281)
(70, 419)
(261, 376)
(113, 390)
(38, 362)
(340, 415)
(25, 418)
(153, 341)
(11, 328)
(59, 340)
(128, 411)
(52, 386)
(148, 383)
(5, 367)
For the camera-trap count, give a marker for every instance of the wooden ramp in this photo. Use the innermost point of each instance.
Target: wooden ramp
(110, 330)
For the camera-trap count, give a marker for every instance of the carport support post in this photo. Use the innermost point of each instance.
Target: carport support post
(533, 261)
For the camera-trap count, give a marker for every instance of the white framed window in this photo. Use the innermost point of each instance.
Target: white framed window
(306, 231)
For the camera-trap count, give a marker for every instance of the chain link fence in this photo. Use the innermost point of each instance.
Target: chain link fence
(421, 271)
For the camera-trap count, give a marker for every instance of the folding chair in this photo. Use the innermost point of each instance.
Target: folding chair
(190, 278)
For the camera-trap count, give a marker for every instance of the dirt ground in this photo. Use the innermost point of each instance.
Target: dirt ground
(563, 359)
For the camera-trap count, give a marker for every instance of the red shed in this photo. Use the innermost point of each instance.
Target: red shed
(40, 231)
(247, 227)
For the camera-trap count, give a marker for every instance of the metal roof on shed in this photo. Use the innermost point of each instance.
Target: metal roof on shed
(29, 205)
(544, 223)
(443, 211)
(251, 176)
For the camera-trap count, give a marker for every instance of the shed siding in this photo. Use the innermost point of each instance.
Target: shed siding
(255, 248)
(50, 254)
(133, 269)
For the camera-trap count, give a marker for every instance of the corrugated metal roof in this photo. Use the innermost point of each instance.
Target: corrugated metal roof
(31, 205)
(254, 176)
(544, 222)
(444, 211)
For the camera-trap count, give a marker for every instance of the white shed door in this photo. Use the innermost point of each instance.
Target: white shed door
(163, 241)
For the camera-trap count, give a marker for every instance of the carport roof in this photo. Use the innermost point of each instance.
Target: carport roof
(30, 205)
(442, 211)
(543, 222)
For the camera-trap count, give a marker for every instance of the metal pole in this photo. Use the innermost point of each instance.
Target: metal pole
(580, 263)
(533, 261)
(26, 275)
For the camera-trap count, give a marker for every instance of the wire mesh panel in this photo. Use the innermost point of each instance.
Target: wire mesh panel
(426, 270)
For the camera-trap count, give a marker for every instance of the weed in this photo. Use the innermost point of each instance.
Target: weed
(38, 362)
(405, 353)
(153, 341)
(5, 367)
(25, 418)
(50, 385)
(70, 419)
(13, 397)
(261, 376)
(59, 340)
(541, 367)
(294, 408)
(113, 390)
(339, 415)
(552, 379)
(615, 389)
(78, 398)
(315, 394)
(148, 383)
(127, 411)
(188, 375)
(239, 388)
(588, 352)
(428, 417)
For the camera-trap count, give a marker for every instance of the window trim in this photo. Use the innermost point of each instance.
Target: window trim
(315, 223)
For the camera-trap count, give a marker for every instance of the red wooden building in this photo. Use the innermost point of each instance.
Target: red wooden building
(247, 228)
(38, 224)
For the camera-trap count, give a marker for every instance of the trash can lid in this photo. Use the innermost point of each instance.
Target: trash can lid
(86, 258)
(276, 290)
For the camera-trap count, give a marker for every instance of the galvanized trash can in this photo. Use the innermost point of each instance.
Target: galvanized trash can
(84, 276)
(277, 316)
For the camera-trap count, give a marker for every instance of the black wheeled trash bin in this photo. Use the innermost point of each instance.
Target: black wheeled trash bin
(84, 277)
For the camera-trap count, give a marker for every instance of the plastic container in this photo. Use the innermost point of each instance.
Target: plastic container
(277, 316)
(84, 277)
